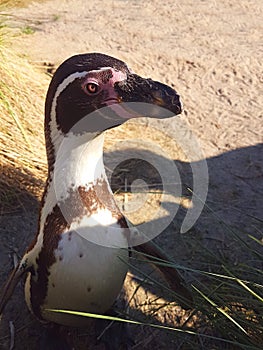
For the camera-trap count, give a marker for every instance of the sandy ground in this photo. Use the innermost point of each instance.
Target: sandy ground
(212, 53)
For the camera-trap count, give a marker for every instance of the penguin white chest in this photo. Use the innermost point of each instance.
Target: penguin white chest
(85, 277)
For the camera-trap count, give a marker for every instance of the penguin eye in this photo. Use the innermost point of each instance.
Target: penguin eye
(92, 88)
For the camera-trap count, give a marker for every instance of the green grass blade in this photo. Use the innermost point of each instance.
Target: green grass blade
(118, 319)
(220, 310)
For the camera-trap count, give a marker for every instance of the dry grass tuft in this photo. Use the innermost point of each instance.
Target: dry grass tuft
(14, 3)
(22, 152)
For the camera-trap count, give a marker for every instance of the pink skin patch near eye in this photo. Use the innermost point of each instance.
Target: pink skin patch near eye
(112, 96)
(113, 101)
(105, 78)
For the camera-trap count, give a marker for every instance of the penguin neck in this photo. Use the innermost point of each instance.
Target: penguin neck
(79, 163)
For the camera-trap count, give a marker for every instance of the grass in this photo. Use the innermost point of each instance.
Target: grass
(22, 153)
(27, 30)
(5, 4)
(228, 294)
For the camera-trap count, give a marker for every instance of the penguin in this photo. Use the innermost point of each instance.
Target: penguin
(79, 257)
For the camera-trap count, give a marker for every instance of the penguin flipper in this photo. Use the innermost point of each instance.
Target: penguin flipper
(165, 265)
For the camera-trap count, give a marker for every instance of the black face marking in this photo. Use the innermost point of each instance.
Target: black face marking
(79, 63)
(73, 104)
(78, 100)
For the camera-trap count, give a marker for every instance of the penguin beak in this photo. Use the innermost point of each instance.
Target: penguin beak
(148, 91)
